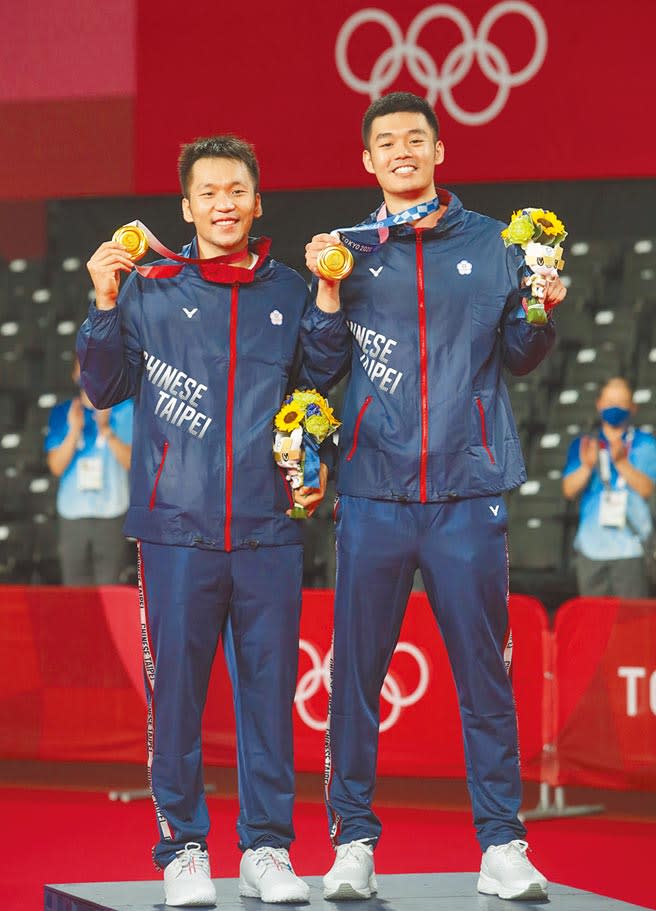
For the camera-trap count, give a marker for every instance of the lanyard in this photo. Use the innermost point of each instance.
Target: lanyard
(605, 462)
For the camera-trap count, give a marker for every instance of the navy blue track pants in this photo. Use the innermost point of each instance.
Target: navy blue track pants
(188, 598)
(461, 550)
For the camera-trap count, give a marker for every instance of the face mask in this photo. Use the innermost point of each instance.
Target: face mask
(615, 416)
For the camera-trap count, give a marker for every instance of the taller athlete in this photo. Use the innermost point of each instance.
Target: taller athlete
(428, 445)
(208, 351)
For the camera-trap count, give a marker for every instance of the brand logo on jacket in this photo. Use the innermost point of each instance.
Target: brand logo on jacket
(276, 318)
(464, 267)
(189, 313)
(494, 510)
(456, 65)
(392, 693)
(376, 272)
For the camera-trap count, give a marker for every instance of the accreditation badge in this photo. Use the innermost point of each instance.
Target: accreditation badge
(90, 473)
(613, 507)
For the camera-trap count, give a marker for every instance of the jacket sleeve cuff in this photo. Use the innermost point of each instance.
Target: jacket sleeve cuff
(96, 315)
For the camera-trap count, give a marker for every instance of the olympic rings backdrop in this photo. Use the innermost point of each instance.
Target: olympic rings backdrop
(525, 89)
(585, 691)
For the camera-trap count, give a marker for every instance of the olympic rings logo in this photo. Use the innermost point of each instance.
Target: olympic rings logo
(319, 674)
(457, 64)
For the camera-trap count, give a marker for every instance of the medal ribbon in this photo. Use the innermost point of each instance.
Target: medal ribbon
(216, 268)
(383, 223)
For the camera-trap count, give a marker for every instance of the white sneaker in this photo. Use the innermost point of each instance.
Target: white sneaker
(352, 875)
(267, 874)
(507, 872)
(187, 878)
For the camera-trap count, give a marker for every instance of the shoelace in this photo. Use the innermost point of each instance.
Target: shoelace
(353, 849)
(193, 857)
(515, 851)
(272, 857)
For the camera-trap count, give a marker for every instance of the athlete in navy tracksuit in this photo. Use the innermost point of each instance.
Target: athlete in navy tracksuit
(428, 445)
(209, 352)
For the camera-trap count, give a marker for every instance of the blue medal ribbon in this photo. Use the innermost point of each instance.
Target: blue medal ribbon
(401, 218)
(311, 464)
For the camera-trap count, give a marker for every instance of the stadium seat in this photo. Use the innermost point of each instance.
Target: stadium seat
(645, 399)
(45, 558)
(536, 543)
(593, 365)
(613, 328)
(587, 265)
(70, 285)
(8, 411)
(16, 552)
(42, 495)
(646, 368)
(60, 355)
(549, 455)
(24, 277)
(574, 407)
(522, 401)
(38, 411)
(14, 490)
(639, 274)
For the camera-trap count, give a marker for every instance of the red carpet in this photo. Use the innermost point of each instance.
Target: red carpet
(71, 836)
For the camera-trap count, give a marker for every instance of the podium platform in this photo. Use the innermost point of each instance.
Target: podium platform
(400, 892)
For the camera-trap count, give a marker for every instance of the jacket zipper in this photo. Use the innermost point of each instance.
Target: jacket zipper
(230, 398)
(158, 475)
(356, 429)
(481, 413)
(423, 365)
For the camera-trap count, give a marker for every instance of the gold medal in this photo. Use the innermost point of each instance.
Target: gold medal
(133, 239)
(335, 262)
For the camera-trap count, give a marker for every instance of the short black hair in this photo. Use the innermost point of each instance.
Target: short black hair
(394, 103)
(227, 146)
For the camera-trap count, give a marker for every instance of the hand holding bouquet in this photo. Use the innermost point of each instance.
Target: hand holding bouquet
(540, 235)
(304, 421)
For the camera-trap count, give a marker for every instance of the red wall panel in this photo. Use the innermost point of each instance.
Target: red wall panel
(270, 74)
(66, 148)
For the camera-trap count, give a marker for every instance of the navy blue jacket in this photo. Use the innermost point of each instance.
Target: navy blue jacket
(208, 362)
(434, 315)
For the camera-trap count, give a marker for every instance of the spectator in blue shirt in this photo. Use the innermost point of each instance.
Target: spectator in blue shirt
(89, 451)
(613, 472)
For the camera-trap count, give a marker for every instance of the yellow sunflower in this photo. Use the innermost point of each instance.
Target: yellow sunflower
(328, 413)
(549, 222)
(289, 417)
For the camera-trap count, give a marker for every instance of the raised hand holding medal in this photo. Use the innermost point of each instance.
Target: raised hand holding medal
(133, 238)
(335, 262)
(132, 241)
(329, 256)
